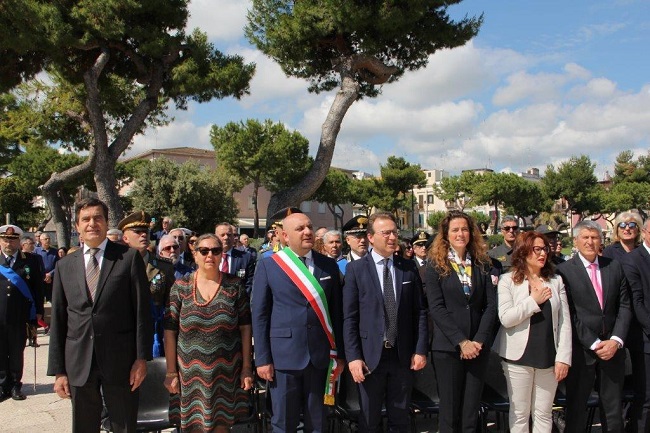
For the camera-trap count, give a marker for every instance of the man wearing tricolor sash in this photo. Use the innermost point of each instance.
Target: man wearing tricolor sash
(297, 328)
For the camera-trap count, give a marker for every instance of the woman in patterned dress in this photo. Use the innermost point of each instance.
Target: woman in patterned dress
(208, 343)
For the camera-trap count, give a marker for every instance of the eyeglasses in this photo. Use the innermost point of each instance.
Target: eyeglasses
(215, 251)
(538, 250)
(408, 247)
(170, 247)
(387, 233)
(510, 228)
(631, 225)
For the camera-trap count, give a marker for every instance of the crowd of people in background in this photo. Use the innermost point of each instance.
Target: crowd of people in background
(316, 302)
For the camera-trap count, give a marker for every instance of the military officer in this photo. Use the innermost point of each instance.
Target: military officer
(503, 253)
(21, 304)
(355, 231)
(277, 241)
(419, 242)
(160, 271)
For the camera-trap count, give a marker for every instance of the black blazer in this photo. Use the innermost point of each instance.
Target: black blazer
(589, 321)
(363, 312)
(455, 317)
(117, 328)
(637, 270)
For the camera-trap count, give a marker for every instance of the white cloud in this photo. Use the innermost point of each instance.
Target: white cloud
(221, 19)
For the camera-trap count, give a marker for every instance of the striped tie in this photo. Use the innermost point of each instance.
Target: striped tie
(92, 273)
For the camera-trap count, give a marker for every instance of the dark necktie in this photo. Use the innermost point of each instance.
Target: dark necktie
(303, 260)
(390, 306)
(92, 273)
(9, 261)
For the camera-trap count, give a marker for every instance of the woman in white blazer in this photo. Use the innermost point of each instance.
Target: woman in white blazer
(534, 340)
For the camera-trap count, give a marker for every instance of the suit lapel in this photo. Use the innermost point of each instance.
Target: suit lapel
(399, 279)
(80, 263)
(372, 271)
(604, 280)
(583, 274)
(108, 262)
(317, 269)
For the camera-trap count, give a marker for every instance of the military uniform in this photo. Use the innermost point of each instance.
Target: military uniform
(358, 225)
(276, 224)
(160, 273)
(18, 309)
(503, 254)
(421, 238)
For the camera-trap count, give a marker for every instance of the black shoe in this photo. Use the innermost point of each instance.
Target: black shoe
(4, 394)
(17, 394)
(33, 343)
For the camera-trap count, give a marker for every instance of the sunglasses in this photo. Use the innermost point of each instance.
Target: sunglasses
(215, 251)
(179, 238)
(170, 247)
(510, 228)
(625, 225)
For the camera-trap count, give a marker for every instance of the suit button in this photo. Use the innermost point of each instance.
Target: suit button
(91, 337)
(467, 307)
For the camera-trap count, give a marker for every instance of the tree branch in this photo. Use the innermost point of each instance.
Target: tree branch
(371, 69)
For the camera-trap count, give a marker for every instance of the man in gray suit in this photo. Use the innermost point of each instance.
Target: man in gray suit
(101, 331)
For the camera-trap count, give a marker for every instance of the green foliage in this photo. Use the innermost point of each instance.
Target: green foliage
(479, 217)
(266, 154)
(362, 193)
(434, 219)
(574, 181)
(310, 39)
(335, 189)
(631, 184)
(194, 197)
(398, 177)
(458, 189)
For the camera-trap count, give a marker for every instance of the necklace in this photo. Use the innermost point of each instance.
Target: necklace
(196, 287)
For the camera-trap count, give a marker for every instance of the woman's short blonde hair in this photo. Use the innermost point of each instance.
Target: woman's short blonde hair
(626, 217)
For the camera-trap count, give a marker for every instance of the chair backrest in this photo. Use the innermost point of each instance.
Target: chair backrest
(347, 396)
(495, 379)
(154, 397)
(425, 382)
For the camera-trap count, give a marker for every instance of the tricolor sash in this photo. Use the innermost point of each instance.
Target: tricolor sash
(17, 281)
(312, 290)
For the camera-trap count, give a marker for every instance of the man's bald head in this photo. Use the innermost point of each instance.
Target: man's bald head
(298, 233)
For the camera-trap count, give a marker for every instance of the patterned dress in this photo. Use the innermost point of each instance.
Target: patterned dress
(209, 353)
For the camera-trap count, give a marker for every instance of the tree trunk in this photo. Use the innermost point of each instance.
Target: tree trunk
(256, 220)
(340, 217)
(347, 94)
(59, 217)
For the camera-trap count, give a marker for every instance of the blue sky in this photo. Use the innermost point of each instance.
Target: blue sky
(542, 81)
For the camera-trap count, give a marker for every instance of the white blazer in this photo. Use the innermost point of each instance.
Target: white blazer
(516, 306)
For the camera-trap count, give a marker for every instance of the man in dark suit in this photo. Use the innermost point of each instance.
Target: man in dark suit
(637, 270)
(234, 261)
(21, 303)
(598, 295)
(101, 331)
(292, 345)
(384, 328)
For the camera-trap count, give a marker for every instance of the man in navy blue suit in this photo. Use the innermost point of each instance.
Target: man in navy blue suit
(384, 328)
(234, 261)
(297, 326)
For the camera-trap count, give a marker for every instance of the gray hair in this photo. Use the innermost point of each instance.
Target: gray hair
(331, 233)
(165, 238)
(114, 232)
(587, 225)
(507, 218)
(624, 217)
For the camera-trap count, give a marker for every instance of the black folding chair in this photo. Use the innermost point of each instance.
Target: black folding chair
(425, 400)
(153, 410)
